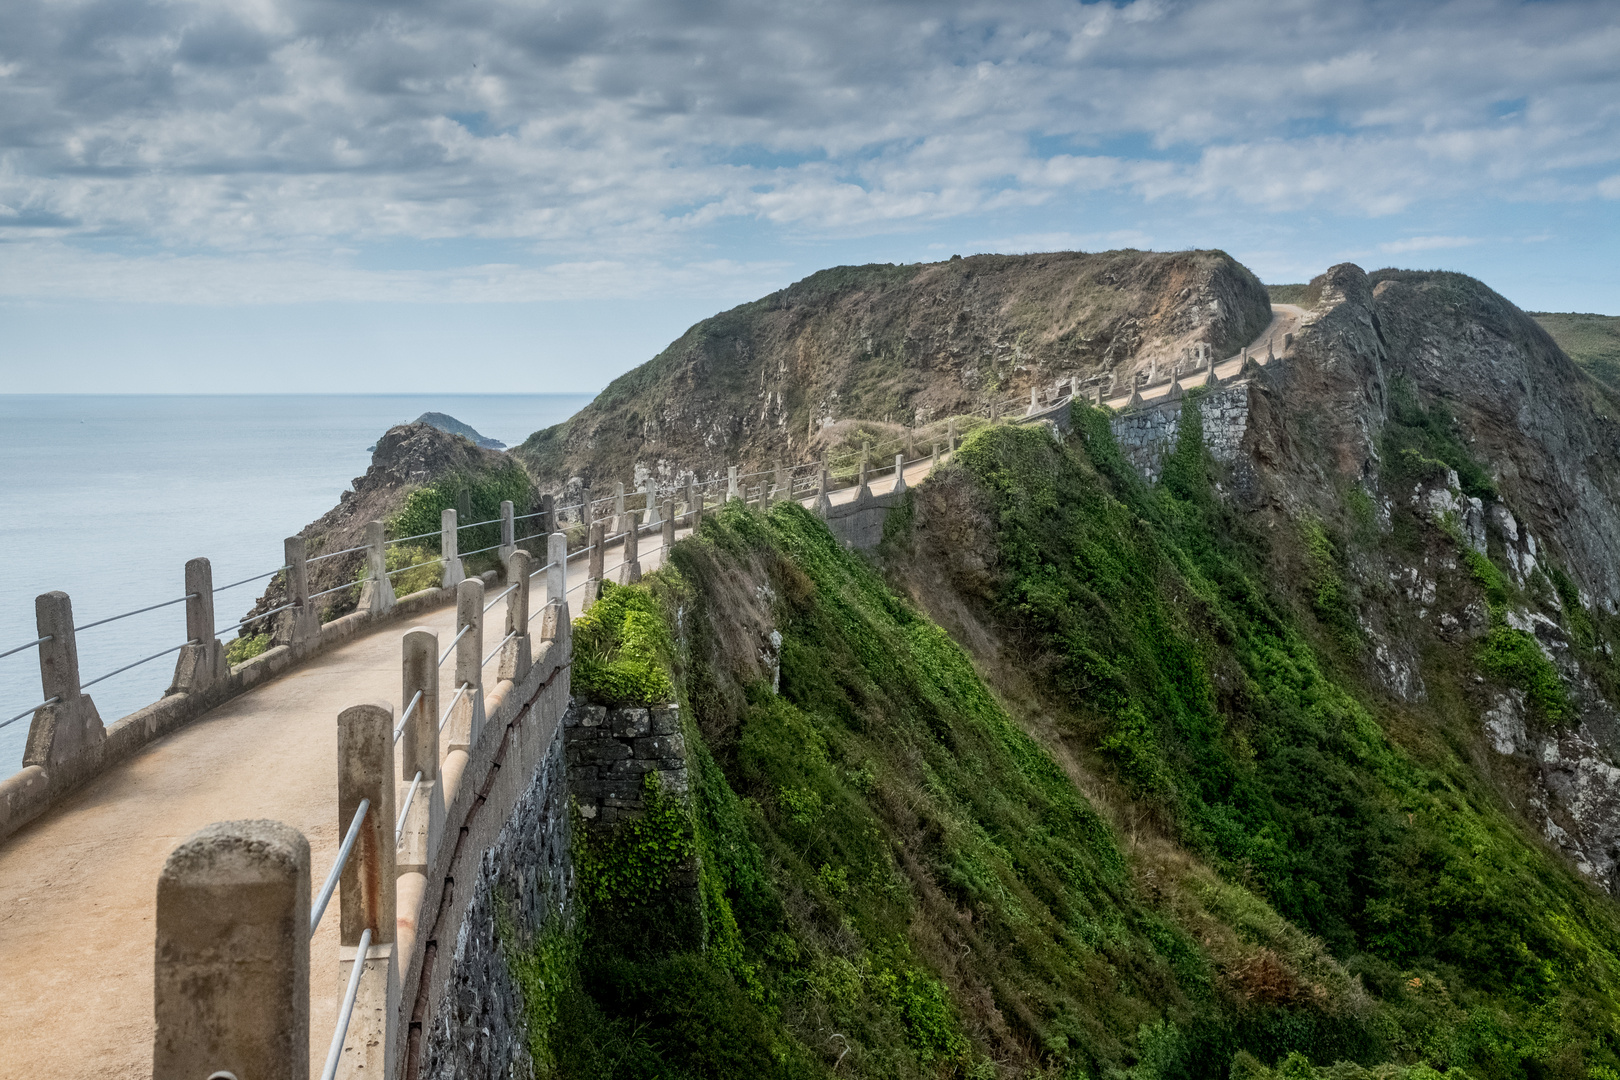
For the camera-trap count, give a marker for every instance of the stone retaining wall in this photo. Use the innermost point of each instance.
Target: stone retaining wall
(1147, 433)
(611, 751)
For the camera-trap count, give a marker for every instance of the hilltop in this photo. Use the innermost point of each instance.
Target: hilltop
(1592, 341)
(776, 378)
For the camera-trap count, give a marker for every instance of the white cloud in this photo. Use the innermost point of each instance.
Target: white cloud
(1426, 243)
(193, 135)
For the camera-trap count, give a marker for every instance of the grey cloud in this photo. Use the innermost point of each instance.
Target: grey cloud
(215, 125)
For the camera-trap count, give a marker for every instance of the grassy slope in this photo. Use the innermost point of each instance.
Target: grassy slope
(899, 882)
(1592, 341)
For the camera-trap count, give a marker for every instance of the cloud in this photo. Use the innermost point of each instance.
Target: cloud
(186, 135)
(1425, 243)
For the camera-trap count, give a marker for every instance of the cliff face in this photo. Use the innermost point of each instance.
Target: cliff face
(907, 344)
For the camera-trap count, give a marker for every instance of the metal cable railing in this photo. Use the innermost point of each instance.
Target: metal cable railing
(475, 524)
(29, 712)
(413, 566)
(137, 611)
(266, 615)
(452, 646)
(410, 797)
(257, 577)
(324, 897)
(480, 551)
(335, 1054)
(30, 645)
(415, 701)
(498, 647)
(335, 554)
(138, 663)
(450, 708)
(407, 539)
(497, 597)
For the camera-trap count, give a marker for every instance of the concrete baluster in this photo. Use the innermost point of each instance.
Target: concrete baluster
(950, 435)
(861, 490)
(65, 737)
(200, 665)
(465, 722)
(779, 489)
(669, 526)
(692, 511)
(516, 656)
(934, 457)
(377, 594)
(652, 506)
(448, 547)
(630, 567)
(301, 622)
(617, 525)
(899, 473)
(547, 521)
(367, 888)
(554, 621)
(585, 517)
(231, 958)
(1034, 402)
(823, 504)
(423, 830)
(508, 534)
(731, 483)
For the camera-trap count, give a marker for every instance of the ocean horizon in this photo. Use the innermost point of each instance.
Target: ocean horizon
(106, 496)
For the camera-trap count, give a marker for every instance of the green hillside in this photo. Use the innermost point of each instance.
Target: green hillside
(1592, 341)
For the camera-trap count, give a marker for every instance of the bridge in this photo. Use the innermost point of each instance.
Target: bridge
(229, 876)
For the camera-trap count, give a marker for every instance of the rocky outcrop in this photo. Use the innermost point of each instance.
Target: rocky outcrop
(904, 343)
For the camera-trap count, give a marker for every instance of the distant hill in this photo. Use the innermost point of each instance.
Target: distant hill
(780, 377)
(1592, 341)
(447, 423)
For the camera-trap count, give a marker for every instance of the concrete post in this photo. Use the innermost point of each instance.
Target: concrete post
(630, 568)
(691, 502)
(593, 563)
(1288, 342)
(508, 534)
(448, 534)
(585, 506)
(861, 490)
(669, 526)
(377, 594)
(470, 649)
(899, 473)
(1102, 396)
(65, 737)
(367, 898)
(548, 516)
(203, 664)
(934, 463)
(779, 484)
(618, 507)
(231, 971)
(516, 656)
(950, 435)
(557, 568)
(419, 752)
(731, 483)
(823, 504)
(1034, 402)
(301, 622)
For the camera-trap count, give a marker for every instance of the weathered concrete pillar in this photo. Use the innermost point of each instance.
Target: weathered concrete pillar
(593, 562)
(652, 506)
(861, 489)
(547, 521)
(301, 622)
(419, 752)
(448, 547)
(554, 619)
(367, 898)
(65, 737)
(731, 483)
(934, 460)
(691, 502)
(465, 721)
(1288, 342)
(508, 534)
(202, 665)
(630, 567)
(231, 960)
(823, 504)
(1102, 396)
(950, 434)
(585, 517)
(618, 507)
(779, 485)
(377, 594)
(899, 473)
(516, 656)
(669, 526)
(1034, 402)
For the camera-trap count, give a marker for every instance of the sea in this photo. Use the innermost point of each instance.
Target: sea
(106, 497)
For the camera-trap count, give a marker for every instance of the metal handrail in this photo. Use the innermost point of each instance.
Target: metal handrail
(399, 826)
(413, 566)
(137, 611)
(266, 615)
(333, 589)
(541, 570)
(30, 712)
(335, 1054)
(335, 554)
(400, 730)
(138, 663)
(475, 524)
(258, 577)
(325, 895)
(448, 709)
(498, 647)
(30, 645)
(480, 551)
(497, 598)
(418, 536)
(452, 646)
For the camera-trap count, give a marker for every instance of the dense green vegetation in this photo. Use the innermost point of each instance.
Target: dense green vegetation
(474, 497)
(1592, 341)
(894, 879)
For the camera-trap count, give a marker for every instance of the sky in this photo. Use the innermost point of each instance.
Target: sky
(488, 195)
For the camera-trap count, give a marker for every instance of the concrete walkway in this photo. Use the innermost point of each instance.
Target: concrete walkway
(78, 886)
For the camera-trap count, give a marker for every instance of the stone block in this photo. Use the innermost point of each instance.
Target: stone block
(666, 719)
(661, 746)
(631, 766)
(591, 716)
(629, 723)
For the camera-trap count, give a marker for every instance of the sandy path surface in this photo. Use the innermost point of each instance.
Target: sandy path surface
(1285, 319)
(78, 886)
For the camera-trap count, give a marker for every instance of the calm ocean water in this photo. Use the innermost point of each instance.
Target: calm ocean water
(106, 496)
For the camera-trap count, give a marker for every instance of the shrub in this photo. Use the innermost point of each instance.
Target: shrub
(246, 648)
